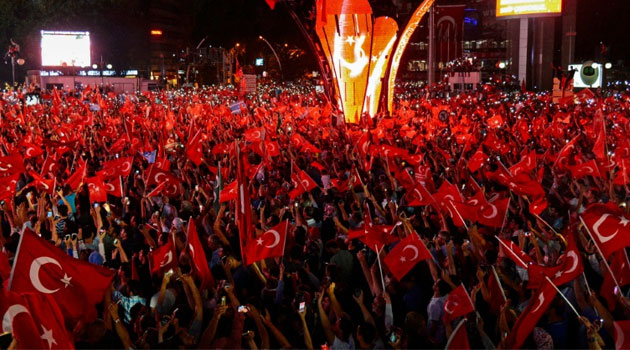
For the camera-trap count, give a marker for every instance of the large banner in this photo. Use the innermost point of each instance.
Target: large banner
(449, 32)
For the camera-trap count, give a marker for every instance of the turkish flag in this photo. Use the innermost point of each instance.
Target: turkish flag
(157, 190)
(163, 258)
(563, 156)
(244, 218)
(528, 319)
(7, 186)
(254, 135)
(608, 227)
(48, 316)
(589, 168)
(49, 165)
(622, 330)
(228, 193)
(198, 255)
(194, 149)
(76, 179)
(116, 167)
(569, 268)
(493, 214)
(447, 192)
(515, 253)
(419, 196)
(272, 148)
(525, 165)
(405, 255)
(268, 245)
(621, 270)
(48, 185)
(18, 320)
(459, 338)
(115, 187)
(477, 160)
(11, 164)
(41, 267)
(96, 189)
(156, 176)
(5, 267)
(272, 3)
(302, 183)
(457, 304)
(31, 150)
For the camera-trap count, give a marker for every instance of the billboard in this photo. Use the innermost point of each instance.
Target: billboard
(587, 75)
(61, 48)
(512, 8)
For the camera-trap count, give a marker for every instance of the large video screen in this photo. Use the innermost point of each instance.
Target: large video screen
(65, 48)
(511, 8)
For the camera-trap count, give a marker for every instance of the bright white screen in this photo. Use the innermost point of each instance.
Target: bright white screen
(71, 48)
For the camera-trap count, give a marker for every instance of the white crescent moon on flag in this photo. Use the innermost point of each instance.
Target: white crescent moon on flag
(109, 188)
(168, 257)
(276, 238)
(621, 338)
(12, 311)
(596, 226)
(541, 300)
(574, 258)
(447, 307)
(192, 250)
(415, 251)
(494, 212)
(34, 273)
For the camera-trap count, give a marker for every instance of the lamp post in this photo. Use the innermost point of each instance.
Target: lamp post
(275, 54)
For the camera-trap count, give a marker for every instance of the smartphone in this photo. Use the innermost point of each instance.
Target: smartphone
(74, 236)
(393, 338)
(49, 215)
(302, 306)
(66, 237)
(95, 205)
(223, 301)
(115, 241)
(243, 309)
(196, 187)
(357, 292)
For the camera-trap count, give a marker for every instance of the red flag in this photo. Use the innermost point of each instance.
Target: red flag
(228, 193)
(302, 183)
(515, 253)
(254, 135)
(563, 157)
(49, 165)
(198, 256)
(48, 316)
(622, 329)
(12, 164)
(194, 149)
(405, 255)
(608, 227)
(76, 179)
(116, 167)
(5, 267)
(41, 267)
(18, 320)
(621, 271)
(493, 214)
(272, 3)
(477, 160)
(48, 185)
(115, 187)
(156, 176)
(569, 268)
(459, 338)
(457, 304)
(589, 168)
(272, 148)
(244, 218)
(96, 189)
(525, 165)
(31, 150)
(163, 258)
(419, 196)
(268, 245)
(7, 186)
(528, 319)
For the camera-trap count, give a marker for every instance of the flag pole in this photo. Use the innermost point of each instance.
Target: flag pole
(459, 215)
(600, 253)
(564, 297)
(546, 223)
(15, 261)
(510, 249)
(450, 339)
(496, 277)
(380, 268)
(507, 209)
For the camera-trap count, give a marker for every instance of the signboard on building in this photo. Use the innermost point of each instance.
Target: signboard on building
(530, 8)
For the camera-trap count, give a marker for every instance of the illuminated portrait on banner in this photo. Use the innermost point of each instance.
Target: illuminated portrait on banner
(357, 48)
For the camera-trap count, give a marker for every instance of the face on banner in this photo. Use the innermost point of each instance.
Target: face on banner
(358, 51)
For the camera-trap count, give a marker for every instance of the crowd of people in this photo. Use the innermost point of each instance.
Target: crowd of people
(492, 184)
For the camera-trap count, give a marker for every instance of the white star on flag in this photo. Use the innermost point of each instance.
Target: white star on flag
(48, 336)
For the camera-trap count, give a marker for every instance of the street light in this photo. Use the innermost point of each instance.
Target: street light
(274, 53)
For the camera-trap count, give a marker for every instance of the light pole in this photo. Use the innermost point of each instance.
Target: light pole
(275, 54)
